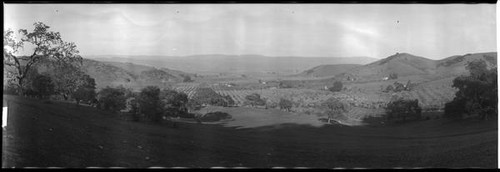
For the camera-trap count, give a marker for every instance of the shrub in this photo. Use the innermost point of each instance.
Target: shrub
(215, 116)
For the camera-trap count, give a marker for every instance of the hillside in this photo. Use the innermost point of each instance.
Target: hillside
(328, 70)
(236, 64)
(455, 65)
(54, 134)
(404, 64)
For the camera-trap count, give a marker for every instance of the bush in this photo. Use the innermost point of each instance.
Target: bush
(215, 116)
(112, 98)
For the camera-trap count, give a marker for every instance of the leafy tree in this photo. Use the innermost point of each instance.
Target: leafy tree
(229, 101)
(42, 86)
(477, 93)
(66, 79)
(193, 104)
(113, 99)
(85, 89)
(401, 109)
(337, 86)
(174, 99)
(335, 108)
(150, 103)
(285, 104)
(46, 45)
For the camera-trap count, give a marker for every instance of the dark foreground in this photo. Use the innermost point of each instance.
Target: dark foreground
(63, 135)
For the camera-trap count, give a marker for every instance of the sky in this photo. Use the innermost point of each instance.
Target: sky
(311, 30)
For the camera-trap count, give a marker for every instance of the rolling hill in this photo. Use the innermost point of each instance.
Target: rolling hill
(236, 64)
(328, 70)
(405, 64)
(124, 74)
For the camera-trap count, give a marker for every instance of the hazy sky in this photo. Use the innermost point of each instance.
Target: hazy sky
(433, 31)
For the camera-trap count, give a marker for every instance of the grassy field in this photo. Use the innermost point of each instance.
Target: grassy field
(41, 134)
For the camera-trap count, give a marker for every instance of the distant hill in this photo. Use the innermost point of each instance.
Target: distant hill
(328, 70)
(236, 64)
(404, 64)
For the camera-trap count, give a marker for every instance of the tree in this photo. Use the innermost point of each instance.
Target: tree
(46, 45)
(337, 86)
(229, 100)
(285, 104)
(255, 100)
(150, 103)
(401, 109)
(175, 99)
(335, 108)
(42, 86)
(477, 92)
(66, 79)
(113, 99)
(85, 89)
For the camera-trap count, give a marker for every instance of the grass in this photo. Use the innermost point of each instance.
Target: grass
(63, 135)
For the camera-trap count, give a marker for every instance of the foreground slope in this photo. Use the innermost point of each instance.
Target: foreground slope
(57, 134)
